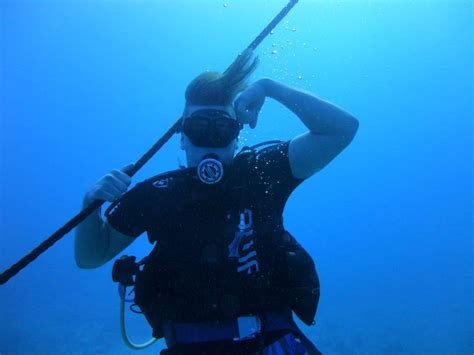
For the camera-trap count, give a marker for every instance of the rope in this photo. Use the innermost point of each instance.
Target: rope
(71, 224)
(81, 216)
(266, 31)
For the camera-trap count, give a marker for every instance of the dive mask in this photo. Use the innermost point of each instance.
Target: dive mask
(211, 128)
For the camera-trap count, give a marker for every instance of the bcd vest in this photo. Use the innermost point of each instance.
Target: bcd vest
(220, 256)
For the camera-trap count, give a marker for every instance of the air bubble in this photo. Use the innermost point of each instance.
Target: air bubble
(274, 52)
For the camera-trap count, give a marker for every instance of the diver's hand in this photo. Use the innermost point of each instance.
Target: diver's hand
(248, 104)
(110, 187)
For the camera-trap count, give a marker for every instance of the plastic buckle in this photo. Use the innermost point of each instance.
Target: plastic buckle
(249, 327)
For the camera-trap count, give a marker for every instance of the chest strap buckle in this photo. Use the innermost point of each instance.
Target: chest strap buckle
(249, 327)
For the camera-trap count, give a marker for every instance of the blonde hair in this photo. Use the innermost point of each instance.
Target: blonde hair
(214, 88)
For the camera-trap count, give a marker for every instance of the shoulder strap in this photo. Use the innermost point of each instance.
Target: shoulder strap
(156, 178)
(244, 160)
(169, 174)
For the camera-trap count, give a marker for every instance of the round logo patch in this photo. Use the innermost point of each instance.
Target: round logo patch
(210, 171)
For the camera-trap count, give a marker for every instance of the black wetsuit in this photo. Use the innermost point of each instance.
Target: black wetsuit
(207, 269)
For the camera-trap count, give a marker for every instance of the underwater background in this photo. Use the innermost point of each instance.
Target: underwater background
(88, 86)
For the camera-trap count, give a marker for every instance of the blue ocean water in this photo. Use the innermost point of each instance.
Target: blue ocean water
(88, 86)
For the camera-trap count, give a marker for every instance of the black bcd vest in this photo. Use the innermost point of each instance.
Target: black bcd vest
(232, 265)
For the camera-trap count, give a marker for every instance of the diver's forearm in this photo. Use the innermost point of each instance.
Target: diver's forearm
(91, 241)
(319, 116)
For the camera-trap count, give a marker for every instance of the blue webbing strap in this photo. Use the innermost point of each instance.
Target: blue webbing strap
(187, 333)
(222, 330)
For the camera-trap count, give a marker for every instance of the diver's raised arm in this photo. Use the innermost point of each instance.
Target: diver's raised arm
(331, 129)
(96, 242)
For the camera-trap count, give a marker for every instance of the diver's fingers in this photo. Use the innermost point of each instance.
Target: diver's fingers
(113, 190)
(112, 181)
(103, 195)
(127, 167)
(242, 111)
(239, 106)
(122, 177)
(246, 117)
(104, 191)
(109, 187)
(253, 117)
(253, 124)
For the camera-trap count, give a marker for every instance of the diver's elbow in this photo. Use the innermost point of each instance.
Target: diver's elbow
(352, 126)
(349, 130)
(86, 263)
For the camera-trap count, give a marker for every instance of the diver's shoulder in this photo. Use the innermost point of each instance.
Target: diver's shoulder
(166, 179)
(279, 147)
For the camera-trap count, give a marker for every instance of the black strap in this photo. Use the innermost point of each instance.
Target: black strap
(244, 161)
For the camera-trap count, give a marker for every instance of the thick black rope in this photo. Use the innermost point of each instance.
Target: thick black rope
(71, 224)
(266, 31)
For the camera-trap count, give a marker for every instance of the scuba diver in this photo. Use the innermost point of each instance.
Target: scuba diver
(224, 275)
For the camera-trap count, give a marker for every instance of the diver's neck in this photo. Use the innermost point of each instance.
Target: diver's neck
(193, 162)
